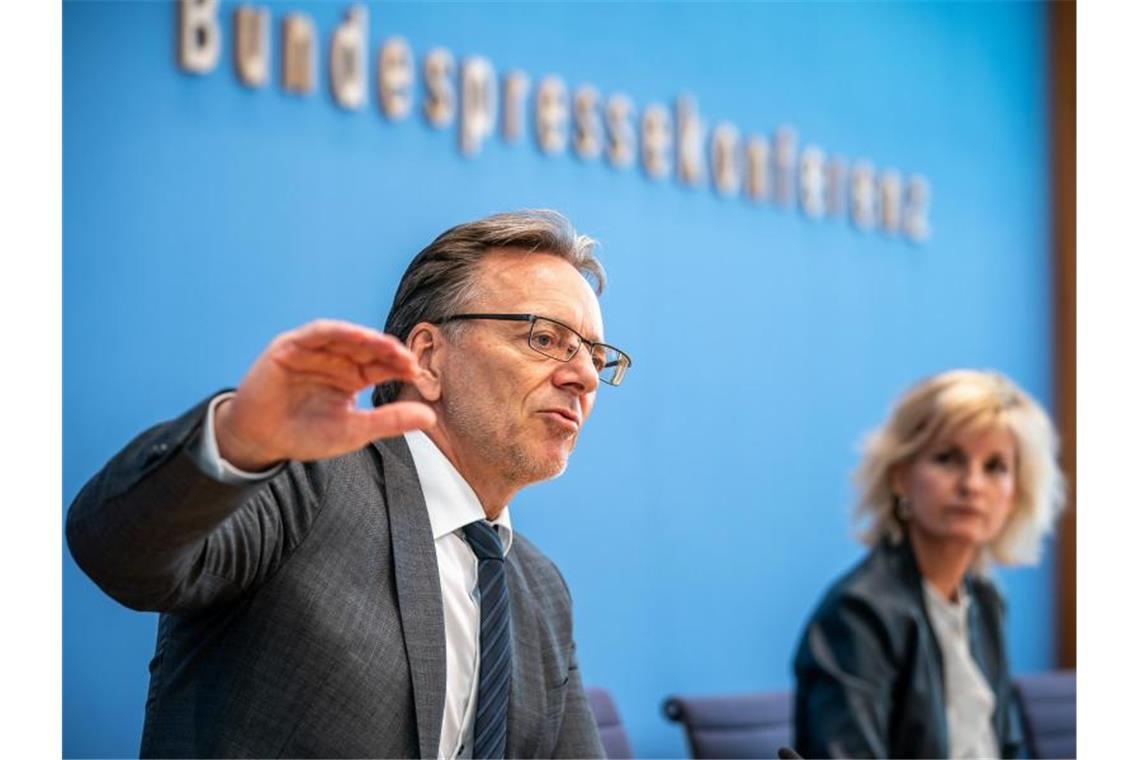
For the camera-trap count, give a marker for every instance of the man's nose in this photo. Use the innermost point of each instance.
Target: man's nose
(579, 371)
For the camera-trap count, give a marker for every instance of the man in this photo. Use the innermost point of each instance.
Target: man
(342, 582)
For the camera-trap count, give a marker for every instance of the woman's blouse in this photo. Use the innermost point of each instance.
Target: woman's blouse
(969, 698)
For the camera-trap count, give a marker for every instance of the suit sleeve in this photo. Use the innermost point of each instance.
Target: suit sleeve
(156, 533)
(579, 735)
(844, 680)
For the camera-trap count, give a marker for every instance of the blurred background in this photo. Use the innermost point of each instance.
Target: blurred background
(708, 504)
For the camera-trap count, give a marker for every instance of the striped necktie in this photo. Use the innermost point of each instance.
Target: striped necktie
(494, 643)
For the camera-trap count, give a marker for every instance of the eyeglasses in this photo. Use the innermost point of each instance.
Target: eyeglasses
(553, 339)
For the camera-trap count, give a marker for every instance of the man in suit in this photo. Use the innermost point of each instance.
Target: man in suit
(342, 582)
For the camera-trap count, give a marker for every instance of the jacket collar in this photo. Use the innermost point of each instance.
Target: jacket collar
(417, 588)
(902, 557)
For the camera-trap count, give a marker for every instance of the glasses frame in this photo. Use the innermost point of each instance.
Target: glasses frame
(532, 318)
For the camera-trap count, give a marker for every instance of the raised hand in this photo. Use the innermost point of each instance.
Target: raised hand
(298, 400)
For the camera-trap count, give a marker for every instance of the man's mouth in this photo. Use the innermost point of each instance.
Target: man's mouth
(561, 416)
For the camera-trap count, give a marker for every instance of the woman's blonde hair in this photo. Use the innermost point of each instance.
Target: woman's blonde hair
(942, 405)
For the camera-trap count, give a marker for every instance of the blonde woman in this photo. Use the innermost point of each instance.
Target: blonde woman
(904, 657)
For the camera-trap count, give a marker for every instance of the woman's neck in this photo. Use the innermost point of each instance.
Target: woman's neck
(943, 563)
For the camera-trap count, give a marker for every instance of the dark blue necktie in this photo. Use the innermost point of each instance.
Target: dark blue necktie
(494, 643)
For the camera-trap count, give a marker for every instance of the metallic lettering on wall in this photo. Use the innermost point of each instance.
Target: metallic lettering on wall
(516, 85)
(395, 74)
(690, 141)
(656, 141)
(199, 36)
(347, 55)
(835, 172)
(811, 182)
(726, 158)
(890, 201)
(916, 203)
(477, 104)
(439, 100)
(863, 195)
(676, 144)
(759, 169)
(620, 137)
(251, 45)
(551, 112)
(298, 54)
(785, 164)
(587, 123)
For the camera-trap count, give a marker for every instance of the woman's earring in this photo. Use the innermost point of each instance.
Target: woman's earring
(902, 509)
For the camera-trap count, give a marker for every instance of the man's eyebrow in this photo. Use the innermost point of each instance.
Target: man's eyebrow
(593, 338)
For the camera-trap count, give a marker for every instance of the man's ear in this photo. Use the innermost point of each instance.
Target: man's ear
(426, 344)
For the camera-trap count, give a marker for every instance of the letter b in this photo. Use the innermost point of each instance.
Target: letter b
(199, 38)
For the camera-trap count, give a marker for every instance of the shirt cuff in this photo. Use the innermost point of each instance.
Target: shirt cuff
(209, 460)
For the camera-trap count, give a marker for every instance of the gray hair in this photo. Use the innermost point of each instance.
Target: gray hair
(957, 400)
(444, 275)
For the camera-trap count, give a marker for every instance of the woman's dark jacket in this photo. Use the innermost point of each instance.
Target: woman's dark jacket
(869, 668)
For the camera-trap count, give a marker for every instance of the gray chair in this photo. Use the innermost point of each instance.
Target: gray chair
(736, 725)
(1048, 703)
(614, 740)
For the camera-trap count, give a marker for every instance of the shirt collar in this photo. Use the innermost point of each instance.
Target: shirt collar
(944, 609)
(451, 502)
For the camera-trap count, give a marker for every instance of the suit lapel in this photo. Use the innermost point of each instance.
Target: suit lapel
(907, 569)
(986, 652)
(417, 588)
(526, 710)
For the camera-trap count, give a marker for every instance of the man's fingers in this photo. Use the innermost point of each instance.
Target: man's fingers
(328, 332)
(319, 332)
(391, 420)
(340, 370)
(361, 345)
(389, 351)
(382, 373)
(323, 366)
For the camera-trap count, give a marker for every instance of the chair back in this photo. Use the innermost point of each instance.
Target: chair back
(734, 725)
(1048, 703)
(614, 739)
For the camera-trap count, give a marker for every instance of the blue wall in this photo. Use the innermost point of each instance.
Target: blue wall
(707, 505)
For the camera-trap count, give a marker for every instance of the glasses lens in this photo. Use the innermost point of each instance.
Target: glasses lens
(560, 342)
(553, 340)
(611, 364)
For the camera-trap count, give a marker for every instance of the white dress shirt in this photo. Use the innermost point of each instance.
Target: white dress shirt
(451, 504)
(969, 698)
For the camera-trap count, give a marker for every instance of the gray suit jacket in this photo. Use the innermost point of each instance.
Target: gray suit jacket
(302, 616)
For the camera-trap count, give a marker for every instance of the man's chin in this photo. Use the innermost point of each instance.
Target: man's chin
(552, 467)
(548, 465)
